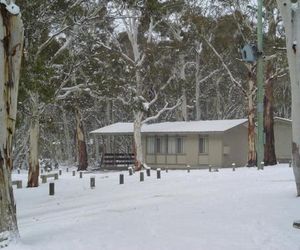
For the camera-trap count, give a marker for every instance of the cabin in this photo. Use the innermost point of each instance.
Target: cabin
(199, 144)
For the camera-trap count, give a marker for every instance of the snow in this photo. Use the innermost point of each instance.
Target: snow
(246, 209)
(173, 127)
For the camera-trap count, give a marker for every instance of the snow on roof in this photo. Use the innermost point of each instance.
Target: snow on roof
(173, 127)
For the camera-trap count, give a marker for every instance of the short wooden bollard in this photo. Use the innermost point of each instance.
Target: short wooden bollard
(67, 169)
(51, 188)
(73, 173)
(80, 175)
(141, 176)
(130, 171)
(92, 182)
(188, 169)
(60, 172)
(233, 166)
(121, 179)
(167, 170)
(148, 171)
(56, 176)
(158, 175)
(19, 171)
(42, 171)
(290, 164)
(18, 183)
(209, 168)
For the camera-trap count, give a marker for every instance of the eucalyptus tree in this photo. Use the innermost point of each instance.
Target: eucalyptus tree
(51, 29)
(11, 35)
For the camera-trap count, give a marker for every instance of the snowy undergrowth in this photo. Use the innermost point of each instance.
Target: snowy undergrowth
(245, 209)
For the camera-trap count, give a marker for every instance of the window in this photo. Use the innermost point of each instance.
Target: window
(150, 145)
(171, 145)
(161, 145)
(179, 145)
(202, 145)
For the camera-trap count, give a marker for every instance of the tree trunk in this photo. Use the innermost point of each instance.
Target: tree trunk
(34, 168)
(138, 140)
(11, 47)
(81, 144)
(251, 115)
(291, 20)
(198, 77)
(184, 110)
(270, 156)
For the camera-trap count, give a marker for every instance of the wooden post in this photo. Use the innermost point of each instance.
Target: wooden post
(121, 179)
(290, 164)
(209, 168)
(158, 175)
(148, 171)
(188, 168)
(233, 166)
(141, 176)
(56, 176)
(73, 173)
(130, 170)
(19, 171)
(51, 188)
(167, 170)
(92, 182)
(67, 169)
(60, 172)
(42, 171)
(80, 175)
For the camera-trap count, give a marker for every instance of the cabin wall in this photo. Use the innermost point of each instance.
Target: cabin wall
(283, 140)
(235, 146)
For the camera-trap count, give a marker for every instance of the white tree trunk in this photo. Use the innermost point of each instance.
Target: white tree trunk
(291, 19)
(34, 168)
(198, 108)
(11, 47)
(138, 116)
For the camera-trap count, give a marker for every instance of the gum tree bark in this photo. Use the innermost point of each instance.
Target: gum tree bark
(11, 46)
(291, 18)
(34, 167)
(270, 156)
(81, 144)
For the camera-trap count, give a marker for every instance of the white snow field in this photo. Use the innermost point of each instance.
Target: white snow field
(201, 210)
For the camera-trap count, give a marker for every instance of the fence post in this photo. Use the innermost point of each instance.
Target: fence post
(51, 188)
(121, 179)
(92, 182)
(80, 175)
(290, 164)
(67, 169)
(158, 175)
(130, 170)
(148, 171)
(188, 168)
(60, 172)
(141, 176)
(73, 172)
(233, 166)
(56, 176)
(209, 168)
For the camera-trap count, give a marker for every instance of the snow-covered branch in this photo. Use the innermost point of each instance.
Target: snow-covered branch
(159, 113)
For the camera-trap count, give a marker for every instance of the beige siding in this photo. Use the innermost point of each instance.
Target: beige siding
(283, 140)
(235, 149)
(215, 150)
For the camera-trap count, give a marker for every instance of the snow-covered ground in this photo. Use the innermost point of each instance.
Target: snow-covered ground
(241, 210)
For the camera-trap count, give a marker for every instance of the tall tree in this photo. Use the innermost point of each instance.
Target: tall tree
(11, 47)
